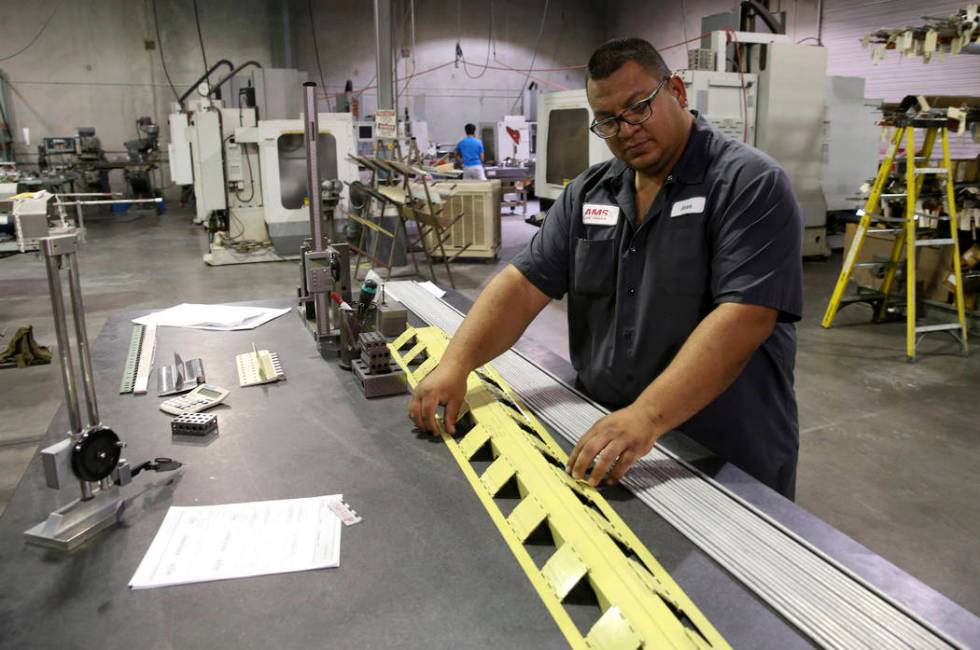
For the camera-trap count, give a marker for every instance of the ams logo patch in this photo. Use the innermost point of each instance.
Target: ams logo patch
(596, 214)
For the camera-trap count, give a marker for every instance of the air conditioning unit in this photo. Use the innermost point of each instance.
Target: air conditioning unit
(479, 201)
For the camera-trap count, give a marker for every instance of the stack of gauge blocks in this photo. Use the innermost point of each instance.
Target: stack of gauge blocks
(378, 375)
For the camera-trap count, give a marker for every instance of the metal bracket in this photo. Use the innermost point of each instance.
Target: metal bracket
(180, 377)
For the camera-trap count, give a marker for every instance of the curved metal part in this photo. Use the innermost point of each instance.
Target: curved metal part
(193, 87)
(231, 74)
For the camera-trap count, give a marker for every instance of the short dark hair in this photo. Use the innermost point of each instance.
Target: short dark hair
(470, 129)
(612, 55)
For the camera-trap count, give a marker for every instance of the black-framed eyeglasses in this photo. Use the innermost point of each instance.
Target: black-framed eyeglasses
(634, 114)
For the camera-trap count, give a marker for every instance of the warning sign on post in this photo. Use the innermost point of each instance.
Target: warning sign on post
(385, 124)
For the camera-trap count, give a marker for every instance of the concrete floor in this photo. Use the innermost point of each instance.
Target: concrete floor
(889, 451)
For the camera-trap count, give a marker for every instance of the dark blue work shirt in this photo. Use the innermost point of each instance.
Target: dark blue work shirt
(725, 227)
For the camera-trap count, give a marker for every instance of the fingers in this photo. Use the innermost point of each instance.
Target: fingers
(573, 457)
(430, 404)
(414, 410)
(604, 461)
(577, 451)
(626, 460)
(451, 415)
(588, 452)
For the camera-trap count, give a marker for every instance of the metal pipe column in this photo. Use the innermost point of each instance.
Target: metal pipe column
(382, 37)
(52, 260)
(312, 129)
(84, 355)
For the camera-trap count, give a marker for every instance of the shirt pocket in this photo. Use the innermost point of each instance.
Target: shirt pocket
(685, 259)
(595, 267)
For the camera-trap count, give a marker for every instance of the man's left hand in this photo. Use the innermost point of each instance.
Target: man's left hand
(614, 443)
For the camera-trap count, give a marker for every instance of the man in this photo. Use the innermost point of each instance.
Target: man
(470, 151)
(681, 262)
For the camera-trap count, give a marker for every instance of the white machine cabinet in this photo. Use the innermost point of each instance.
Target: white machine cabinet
(284, 186)
(565, 147)
(718, 97)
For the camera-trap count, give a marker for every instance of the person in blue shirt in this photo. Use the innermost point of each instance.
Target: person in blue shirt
(470, 151)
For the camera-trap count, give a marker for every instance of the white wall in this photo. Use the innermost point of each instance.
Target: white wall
(91, 66)
(447, 98)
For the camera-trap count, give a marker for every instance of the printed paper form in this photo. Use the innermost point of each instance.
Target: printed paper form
(205, 543)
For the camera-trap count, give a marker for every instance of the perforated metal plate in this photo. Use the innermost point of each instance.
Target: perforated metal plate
(576, 551)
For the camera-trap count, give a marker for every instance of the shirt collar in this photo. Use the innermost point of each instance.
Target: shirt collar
(689, 169)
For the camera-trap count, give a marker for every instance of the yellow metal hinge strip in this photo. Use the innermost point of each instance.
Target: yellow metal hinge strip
(642, 607)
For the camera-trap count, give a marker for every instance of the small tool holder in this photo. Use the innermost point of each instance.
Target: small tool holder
(258, 367)
(377, 373)
(181, 377)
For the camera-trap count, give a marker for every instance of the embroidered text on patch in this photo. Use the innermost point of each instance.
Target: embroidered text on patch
(596, 214)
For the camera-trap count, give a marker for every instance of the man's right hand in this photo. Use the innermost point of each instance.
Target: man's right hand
(444, 386)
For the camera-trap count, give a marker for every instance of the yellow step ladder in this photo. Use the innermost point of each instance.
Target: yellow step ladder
(909, 235)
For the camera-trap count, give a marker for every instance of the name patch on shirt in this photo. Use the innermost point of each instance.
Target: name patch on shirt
(596, 214)
(693, 205)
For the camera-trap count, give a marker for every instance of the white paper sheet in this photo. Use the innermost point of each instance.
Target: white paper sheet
(238, 540)
(211, 317)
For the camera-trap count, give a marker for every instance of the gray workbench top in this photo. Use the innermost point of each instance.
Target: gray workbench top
(426, 567)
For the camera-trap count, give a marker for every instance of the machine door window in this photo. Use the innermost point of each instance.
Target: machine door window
(292, 166)
(568, 144)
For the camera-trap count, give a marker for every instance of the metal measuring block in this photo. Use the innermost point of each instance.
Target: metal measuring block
(194, 424)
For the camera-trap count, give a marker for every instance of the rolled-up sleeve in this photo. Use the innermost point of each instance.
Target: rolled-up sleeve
(545, 260)
(757, 239)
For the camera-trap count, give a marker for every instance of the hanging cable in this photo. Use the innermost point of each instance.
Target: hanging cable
(36, 36)
(741, 78)
(200, 39)
(163, 60)
(414, 66)
(486, 63)
(537, 44)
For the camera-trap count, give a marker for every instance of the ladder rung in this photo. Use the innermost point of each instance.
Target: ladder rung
(893, 196)
(941, 327)
(870, 296)
(871, 265)
(931, 170)
(883, 231)
(934, 242)
(890, 219)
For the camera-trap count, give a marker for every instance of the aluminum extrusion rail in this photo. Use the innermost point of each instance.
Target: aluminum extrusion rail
(821, 597)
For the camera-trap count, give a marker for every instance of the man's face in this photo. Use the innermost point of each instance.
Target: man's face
(651, 145)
